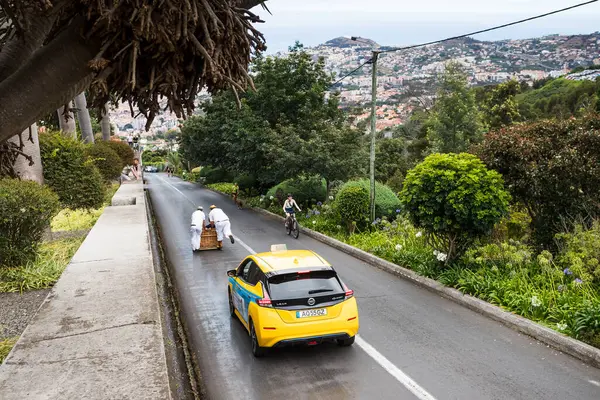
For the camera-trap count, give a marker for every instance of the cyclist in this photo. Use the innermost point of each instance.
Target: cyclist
(288, 208)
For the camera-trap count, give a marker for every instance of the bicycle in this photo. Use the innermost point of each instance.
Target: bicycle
(292, 227)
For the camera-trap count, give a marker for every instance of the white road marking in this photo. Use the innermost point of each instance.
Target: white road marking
(379, 358)
(594, 383)
(177, 190)
(244, 245)
(396, 372)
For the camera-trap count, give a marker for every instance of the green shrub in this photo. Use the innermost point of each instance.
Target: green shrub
(246, 182)
(455, 199)
(106, 160)
(515, 226)
(386, 201)
(197, 170)
(215, 175)
(26, 209)
(306, 190)
(192, 177)
(226, 188)
(580, 252)
(124, 152)
(75, 180)
(352, 203)
(396, 181)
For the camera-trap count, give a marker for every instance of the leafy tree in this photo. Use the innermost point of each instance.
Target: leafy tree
(391, 157)
(500, 107)
(455, 199)
(455, 122)
(285, 128)
(552, 167)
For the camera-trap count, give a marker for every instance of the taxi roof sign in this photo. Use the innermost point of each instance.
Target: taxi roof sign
(277, 248)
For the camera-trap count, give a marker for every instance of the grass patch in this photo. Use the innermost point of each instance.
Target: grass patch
(42, 273)
(79, 220)
(5, 346)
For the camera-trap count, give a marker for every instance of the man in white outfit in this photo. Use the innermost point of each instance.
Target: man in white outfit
(198, 221)
(220, 221)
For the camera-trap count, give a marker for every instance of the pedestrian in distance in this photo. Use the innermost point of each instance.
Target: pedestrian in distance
(130, 140)
(235, 193)
(135, 168)
(197, 226)
(220, 221)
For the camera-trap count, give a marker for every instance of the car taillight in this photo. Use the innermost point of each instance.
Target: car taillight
(264, 302)
(349, 292)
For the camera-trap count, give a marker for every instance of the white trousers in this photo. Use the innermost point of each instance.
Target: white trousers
(196, 232)
(223, 229)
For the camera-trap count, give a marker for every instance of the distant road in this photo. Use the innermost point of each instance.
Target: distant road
(413, 344)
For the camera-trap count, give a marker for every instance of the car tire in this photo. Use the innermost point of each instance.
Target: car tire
(346, 342)
(231, 308)
(257, 351)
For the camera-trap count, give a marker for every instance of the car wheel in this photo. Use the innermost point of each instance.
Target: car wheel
(346, 342)
(231, 308)
(257, 351)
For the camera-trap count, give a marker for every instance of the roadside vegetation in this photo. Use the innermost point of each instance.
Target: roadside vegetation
(5, 347)
(79, 184)
(492, 191)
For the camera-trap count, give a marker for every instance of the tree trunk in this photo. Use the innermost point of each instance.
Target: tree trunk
(67, 126)
(18, 50)
(105, 123)
(55, 74)
(83, 116)
(22, 166)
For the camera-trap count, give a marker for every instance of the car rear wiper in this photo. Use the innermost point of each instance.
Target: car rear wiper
(319, 291)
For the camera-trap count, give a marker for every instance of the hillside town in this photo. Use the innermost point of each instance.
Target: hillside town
(406, 78)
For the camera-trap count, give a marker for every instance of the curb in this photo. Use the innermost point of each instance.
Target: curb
(566, 344)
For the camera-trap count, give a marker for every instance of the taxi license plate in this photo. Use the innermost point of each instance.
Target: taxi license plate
(311, 313)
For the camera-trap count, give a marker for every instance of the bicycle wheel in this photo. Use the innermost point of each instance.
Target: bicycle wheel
(288, 228)
(295, 229)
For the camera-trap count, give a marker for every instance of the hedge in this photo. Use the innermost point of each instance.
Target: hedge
(26, 209)
(124, 152)
(74, 178)
(305, 190)
(386, 201)
(106, 160)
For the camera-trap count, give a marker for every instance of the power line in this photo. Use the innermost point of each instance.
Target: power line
(468, 34)
(492, 29)
(352, 72)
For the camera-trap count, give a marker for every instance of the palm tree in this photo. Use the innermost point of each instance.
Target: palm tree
(66, 122)
(105, 124)
(83, 116)
(29, 168)
(174, 159)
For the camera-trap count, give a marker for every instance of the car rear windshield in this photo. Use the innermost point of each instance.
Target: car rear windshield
(299, 285)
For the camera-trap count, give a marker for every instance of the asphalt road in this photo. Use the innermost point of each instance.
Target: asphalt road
(413, 344)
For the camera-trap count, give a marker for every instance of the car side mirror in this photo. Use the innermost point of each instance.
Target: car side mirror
(232, 273)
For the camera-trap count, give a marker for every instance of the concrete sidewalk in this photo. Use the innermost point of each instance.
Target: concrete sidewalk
(98, 334)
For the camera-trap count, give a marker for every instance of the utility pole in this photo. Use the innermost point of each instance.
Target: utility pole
(373, 62)
(374, 59)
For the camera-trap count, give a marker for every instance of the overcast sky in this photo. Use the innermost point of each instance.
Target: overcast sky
(400, 22)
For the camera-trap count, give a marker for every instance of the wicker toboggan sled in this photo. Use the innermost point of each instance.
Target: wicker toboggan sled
(208, 239)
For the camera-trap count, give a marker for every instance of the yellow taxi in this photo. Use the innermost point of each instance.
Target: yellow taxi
(294, 297)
